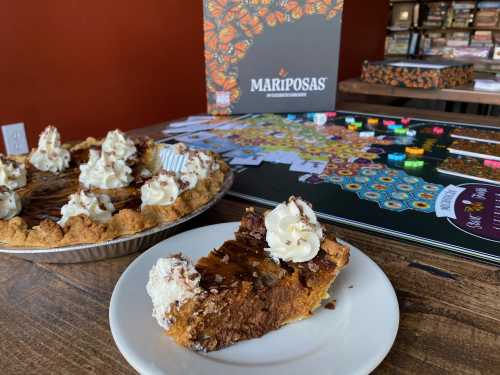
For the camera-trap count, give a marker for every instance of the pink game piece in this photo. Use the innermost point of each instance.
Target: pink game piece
(405, 121)
(437, 130)
(492, 164)
(331, 114)
(389, 122)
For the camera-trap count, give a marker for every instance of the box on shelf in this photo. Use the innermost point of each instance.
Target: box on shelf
(397, 43)
(402, 15)
(463, 13)
(486, 18)
(437, 15)
(418, 74)
(271, 56)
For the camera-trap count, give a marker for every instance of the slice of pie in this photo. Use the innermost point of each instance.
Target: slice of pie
(277, 271)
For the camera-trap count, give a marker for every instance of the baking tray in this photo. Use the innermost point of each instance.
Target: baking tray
(114, 248)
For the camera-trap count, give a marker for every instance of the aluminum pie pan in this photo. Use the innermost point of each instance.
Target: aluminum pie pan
(115, 248)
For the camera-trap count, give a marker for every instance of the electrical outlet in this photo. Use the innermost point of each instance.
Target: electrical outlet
(14, 139)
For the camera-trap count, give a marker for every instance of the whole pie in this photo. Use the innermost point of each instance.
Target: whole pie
(99, 190)
(276, 271)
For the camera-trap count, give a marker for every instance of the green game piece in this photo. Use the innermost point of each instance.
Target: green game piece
(414, 163)
(358, 124)
(401, 131)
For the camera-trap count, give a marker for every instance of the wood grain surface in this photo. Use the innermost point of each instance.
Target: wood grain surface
(54, 318)
(465, 94)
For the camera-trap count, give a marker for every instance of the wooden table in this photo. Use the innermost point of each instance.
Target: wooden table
(463, 94)
(54, 318)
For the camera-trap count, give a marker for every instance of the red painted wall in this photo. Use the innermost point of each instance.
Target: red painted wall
(364, 26)
(90, 66)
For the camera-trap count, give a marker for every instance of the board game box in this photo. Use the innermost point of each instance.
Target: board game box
(418, 74)
(252, 64)
(426, 181)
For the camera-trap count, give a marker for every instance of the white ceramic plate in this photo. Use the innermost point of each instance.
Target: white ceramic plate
(352, 339)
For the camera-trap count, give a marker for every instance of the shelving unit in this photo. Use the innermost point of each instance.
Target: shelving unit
(408, 36)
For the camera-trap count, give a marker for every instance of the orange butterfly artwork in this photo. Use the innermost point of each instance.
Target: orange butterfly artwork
(294, 9)
(239, 51)
(275, 18)
(223, 81)
(230, 84)
(263, 12)
(235, 95)
(251, 25)
(260, 2)
(216, 63)
(227, 34)
(333, 13)
(210, 36)
(323, 6)
(225, 10)
(210, 57)
(310, 7)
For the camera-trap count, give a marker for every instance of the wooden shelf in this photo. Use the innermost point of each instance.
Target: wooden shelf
(481, 65)
(460, 94)
(457, 29)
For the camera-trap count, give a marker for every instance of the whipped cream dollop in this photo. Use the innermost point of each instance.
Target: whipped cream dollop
(104, 172)
(118, 146)
(293, 232)
(200, 164)
(97, 207)
(189, 180)
(161, 190)
(10, 204)
(12, 174)
(172, 280)
(50, 156)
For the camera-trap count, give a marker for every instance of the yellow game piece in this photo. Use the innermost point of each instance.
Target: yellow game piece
(353, 127)
(373, 121)
(414, 151)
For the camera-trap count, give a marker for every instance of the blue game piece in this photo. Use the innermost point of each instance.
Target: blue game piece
(396, 156)
(310, 116)
(394, 127)
(349, 120)
(291, 117)
(411, 133)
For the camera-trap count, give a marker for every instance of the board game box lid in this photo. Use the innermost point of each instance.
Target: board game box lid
(271, 55)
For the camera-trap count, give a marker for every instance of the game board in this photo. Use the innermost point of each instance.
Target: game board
(351, 169)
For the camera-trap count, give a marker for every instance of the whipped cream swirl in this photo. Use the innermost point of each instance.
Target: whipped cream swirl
(118, 146)
(172, 280)
(10, 204)
(200, 164)
(97, 207)
(50, 156)
(104, 172)
(189, 180)
(293, 232)
(12, 174)
(161, 190)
